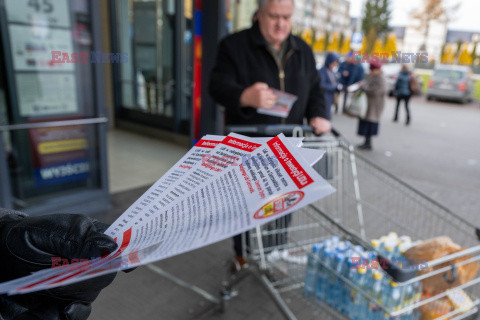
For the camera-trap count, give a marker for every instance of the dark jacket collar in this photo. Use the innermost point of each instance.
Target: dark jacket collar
(258, 39)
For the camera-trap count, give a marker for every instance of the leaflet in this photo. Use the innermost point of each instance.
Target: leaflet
(197, 157)
(282, 106)
(225, 198)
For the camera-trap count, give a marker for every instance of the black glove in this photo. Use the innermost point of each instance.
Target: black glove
(29, 244)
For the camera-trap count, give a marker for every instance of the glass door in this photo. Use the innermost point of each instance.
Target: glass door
(154, 87)
(51, 135)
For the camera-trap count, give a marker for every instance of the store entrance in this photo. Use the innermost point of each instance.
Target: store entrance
(154, 88)
(52, 129)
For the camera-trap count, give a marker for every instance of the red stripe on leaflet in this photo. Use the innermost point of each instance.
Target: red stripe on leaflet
(207, 143)
(240, 144)
(296, 172)
(127, 236)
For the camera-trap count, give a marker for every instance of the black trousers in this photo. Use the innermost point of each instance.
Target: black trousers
(277, 236)
(399, 99)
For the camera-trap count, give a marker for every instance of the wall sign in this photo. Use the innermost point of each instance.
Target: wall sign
(52, 13)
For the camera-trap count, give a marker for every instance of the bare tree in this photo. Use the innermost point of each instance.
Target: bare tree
(433, 10)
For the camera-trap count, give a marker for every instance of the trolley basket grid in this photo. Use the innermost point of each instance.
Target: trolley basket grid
(369, 203)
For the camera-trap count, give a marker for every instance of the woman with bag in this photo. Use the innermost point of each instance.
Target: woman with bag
(404, 88)
(375, 87)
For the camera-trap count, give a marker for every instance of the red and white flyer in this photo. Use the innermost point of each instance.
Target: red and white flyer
(240, 185)
(282, 106)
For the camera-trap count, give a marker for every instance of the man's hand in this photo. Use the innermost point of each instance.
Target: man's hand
(29, 244)
(320, 125)
(258, 95)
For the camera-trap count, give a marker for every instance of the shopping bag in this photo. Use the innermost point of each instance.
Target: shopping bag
(357, 106)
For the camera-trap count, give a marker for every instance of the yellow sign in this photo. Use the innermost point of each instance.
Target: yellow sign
(58, 146)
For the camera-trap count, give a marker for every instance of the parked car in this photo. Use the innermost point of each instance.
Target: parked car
(451, 82)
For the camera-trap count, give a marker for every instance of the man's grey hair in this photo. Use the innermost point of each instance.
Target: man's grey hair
(263, 3)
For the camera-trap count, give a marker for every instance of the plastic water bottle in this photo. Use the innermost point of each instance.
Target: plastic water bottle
(324, 275)
(389, 249)
(417, 296)
(381, 248)
(321, 280)
(311, 271)
(408, 298)
(334, 240)
(404, 243)
(345, 288)
(394, 297)
(358, 303)
(393, 236)
(375, 291)
(334, 299)
(417, 291)
(341, 246)
(375, 244)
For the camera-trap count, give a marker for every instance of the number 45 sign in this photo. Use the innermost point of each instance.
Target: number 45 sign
(51, 13)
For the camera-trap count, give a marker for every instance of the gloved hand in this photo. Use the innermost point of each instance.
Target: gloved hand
(28, 244)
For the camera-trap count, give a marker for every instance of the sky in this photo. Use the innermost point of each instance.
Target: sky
(466, 18)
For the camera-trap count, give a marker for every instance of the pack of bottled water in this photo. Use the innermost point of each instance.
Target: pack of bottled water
(371, 287)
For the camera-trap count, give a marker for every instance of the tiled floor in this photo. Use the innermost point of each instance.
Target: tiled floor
(136, 161)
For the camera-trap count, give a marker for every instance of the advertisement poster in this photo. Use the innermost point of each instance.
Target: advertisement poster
(41, 94)
(60, 154)
(32, 48)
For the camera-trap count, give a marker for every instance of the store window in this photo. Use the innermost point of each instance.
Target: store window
(155, 85)
(46, 161)
(240, 13)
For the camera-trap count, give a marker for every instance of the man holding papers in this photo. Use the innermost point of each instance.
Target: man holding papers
(255, 66)
(266, 75)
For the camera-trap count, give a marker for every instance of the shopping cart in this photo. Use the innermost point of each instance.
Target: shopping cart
(369, 203)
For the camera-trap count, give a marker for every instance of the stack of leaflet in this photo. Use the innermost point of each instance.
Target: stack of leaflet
(223, 186)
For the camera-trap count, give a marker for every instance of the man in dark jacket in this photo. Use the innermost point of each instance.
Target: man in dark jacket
(251, 62)
(29, 244)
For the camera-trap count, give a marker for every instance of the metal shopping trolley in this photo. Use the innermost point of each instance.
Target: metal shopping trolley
(369, 203)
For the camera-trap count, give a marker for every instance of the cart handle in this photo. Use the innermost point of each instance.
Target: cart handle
(270, 130)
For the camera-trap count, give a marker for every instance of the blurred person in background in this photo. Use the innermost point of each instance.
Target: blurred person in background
(251, 62)
(328, 81)
(30, 244)
(350, 72)
(375, 87)
(403, 91)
